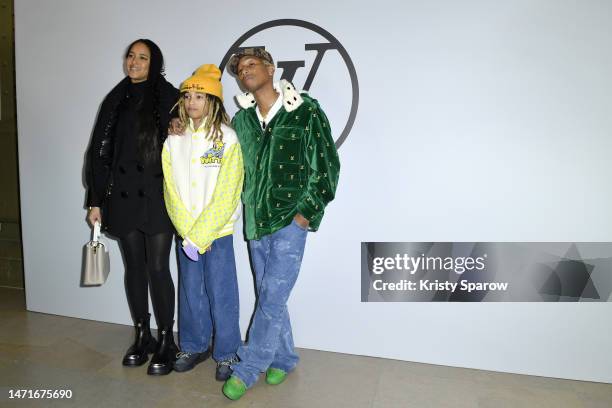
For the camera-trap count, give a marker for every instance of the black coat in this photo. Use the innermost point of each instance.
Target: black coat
(128, 190)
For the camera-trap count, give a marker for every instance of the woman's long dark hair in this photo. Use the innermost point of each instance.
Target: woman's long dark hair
(148, 127)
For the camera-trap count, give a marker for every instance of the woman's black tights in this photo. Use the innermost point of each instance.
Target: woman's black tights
(147, 261)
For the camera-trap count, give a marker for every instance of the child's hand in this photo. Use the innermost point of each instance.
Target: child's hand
(191, 251)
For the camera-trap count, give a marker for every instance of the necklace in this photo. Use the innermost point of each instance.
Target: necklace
(263, 122)
(270, 105)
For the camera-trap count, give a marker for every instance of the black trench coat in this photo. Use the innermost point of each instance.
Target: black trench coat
(129, 191)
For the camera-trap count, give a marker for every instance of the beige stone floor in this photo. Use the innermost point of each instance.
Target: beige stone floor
(40, 351)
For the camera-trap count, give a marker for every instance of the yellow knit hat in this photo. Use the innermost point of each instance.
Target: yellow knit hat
(206, 79)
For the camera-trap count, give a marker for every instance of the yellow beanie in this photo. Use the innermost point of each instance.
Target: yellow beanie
(206, 79)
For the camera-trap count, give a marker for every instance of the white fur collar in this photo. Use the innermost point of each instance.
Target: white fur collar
(291, 97)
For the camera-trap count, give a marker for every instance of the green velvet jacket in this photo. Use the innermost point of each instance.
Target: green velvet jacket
(290, 167)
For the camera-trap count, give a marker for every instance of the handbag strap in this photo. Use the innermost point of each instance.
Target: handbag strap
(96, 232)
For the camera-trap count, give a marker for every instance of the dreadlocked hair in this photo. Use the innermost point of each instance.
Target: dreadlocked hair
(214, 115)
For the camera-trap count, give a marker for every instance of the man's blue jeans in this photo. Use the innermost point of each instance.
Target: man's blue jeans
(276, 259)
(208, 298)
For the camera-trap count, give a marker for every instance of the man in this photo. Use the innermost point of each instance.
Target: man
(291, 173)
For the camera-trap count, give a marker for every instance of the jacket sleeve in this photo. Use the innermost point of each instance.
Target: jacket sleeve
(223, 203)
(179, 215)
(92, 168)
(98, 157)
(322, 158)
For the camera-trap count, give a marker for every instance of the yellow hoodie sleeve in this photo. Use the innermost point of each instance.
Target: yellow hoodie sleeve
(225, 199)
(179, 215)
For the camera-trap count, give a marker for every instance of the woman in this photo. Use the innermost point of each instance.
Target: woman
(203, 174)
(124, 177)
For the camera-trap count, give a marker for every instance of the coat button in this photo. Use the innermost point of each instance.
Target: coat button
(124, 194)
(121, 169)
(141, 193)
(140, 167)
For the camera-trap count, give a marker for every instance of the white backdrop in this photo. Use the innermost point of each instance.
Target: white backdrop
(478, 121)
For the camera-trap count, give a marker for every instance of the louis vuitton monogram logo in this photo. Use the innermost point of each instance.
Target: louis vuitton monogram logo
(290, 67)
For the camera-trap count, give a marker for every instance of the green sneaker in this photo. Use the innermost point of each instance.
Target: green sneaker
(234, 388)
(275, 376)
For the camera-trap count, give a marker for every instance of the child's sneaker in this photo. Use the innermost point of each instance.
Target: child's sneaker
(186, 361)
(224, 371)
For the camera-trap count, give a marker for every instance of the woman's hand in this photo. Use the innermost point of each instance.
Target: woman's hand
(176, 127)
(94, 215)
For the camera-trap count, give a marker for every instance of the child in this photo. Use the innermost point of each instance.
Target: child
(203, 176)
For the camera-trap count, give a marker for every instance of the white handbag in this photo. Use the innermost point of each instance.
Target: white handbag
(96, 263)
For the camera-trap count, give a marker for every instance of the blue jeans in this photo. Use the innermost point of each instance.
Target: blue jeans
(208, 298)
(276, 259)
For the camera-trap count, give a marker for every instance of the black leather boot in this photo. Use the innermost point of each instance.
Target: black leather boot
(165, 355)
(138, 353)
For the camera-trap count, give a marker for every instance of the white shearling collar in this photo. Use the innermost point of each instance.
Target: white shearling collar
(291, 97)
